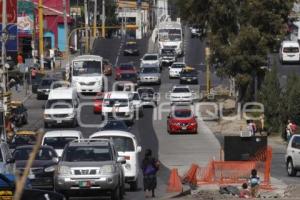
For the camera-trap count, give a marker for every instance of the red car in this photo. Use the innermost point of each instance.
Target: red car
(124, 68)
(182, 121)
(98, 103)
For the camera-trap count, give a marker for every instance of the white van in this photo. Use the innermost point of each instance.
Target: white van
(289, 52)
(119, 105)
(61, 107)
(126, 145)
(60, 138)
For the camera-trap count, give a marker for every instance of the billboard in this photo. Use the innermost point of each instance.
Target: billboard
(11, 28)
(25, 17)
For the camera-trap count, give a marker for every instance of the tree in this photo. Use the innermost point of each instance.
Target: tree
(270, 97)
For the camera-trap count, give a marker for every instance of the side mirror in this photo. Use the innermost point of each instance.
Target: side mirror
(55, 159)
(121, 160)
(10, 160)
(139, 149)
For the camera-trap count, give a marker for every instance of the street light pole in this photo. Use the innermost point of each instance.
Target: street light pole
(86, 26)
(66, 30)
(95, 19)
(103, 18)
(41, 33)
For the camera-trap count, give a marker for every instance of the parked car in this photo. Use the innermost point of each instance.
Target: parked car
(131, 49)
(124, 68)
(60, 138)
(8, 186)
(181, 95)
(148, 96)
(189, 75)
(21, 138)
(182, 120)
(19, 113)
(90, 167)
(292, 156)
(113, 124)
(45, 86)
(43, 167)
(126, 145)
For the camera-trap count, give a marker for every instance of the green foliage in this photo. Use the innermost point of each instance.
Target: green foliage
(270, 97)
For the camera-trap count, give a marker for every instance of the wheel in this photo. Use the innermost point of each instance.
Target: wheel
(290, 168)
(115, 194)
(134, 185)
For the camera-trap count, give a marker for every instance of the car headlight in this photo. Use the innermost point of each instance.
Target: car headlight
(50, 169)
(64, 170)
(39, 90)
(47, 116)
(71, 115)
(107, 169)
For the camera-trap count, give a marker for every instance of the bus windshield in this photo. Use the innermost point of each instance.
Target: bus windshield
(86, 67)
(170, 35)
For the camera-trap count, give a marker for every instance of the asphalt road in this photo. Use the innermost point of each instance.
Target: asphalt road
(173, 151)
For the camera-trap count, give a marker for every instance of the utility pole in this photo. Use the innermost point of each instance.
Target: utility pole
(41, 33)
(86, 26)
(66, 30)
(208, 81)
(95, 18)
(103, 18)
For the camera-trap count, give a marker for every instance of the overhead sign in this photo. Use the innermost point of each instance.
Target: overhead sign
(11, 10)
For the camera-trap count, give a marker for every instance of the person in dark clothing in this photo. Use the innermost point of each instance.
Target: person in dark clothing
(150, 166)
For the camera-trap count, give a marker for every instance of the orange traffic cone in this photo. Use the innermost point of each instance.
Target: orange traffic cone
(174, 184)
(191, 175)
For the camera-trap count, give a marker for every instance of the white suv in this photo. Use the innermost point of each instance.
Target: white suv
(292, 156)
(118, 105)
(126, 145)
(151, 59)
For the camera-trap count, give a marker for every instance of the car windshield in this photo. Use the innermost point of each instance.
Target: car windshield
(182, 113)
(170, 35)
(122, 144)
(20, 140)
(115, 125)
(150, 70)
(43, 154)
(177, 66)
(181, 90)
(59, 103)
(189, 73)
(146, 93)
(131, 46)
(150, 57)
(291, 50)
(115, 102)
(128, 76)
(86, 67)
(87, 154)
(168, 52)
(58, 142)
(126, 67)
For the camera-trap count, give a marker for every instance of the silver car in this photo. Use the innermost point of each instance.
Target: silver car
(149, 74)
(90, 166)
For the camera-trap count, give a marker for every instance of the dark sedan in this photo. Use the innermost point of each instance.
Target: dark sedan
(45, 86)
(44, 165)
(117, 125)
(189, 75)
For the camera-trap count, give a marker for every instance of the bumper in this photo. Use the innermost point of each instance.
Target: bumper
(59, 121)
(181, 101)
(191, 80)
(149, 81)
(94, 183)
(178, 129)
(174, 75)
(42, 183)
(90, 89)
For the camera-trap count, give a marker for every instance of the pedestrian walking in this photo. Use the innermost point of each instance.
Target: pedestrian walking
(290, 129)
(251, 127)
(254, 182)
(150, 166)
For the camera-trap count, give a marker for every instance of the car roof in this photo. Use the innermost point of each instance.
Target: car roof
(25, 132)
(126, 64)
(290, 43)
(145, 88)
(61, 93)
(88, 142)
(117, 94)
(131, 42)
(178, 63)
(113, 133)
(62, 133)
(181, 86)
(151, 54)
(145, 65)
(88, 57)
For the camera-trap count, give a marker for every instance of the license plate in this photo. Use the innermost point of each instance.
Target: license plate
(59, 121)
(85, 184)
(183, 128)
(31, 176)
(189, 80)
